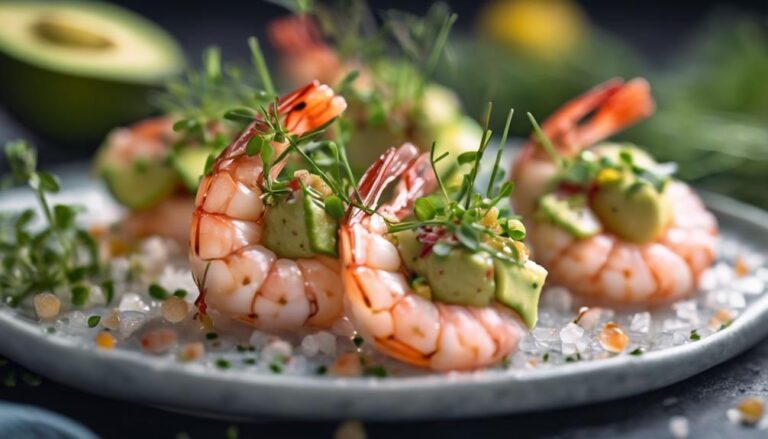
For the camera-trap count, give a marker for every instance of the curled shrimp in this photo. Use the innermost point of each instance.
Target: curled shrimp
(378, 298)
(304, 54)
(236, 274)
(604, 267)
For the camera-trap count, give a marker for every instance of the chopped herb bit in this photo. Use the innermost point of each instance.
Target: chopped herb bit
(180, 293)
(80, 295)
(375, 371)
(108, 287)
(249, 361)
(505, 363)
(276, 367)
(211, 336)
(242, 348)
(695, 335)
(232, 432)
(158, 292)
(321, 370)
(357, 340)
(636, 352)
(50, 329)
(31, 379)
(93, 321)
(222, 363)
(545, 357)
(9, 380)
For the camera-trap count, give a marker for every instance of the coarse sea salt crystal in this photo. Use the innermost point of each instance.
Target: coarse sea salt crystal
(259, 339)
(679, 427)
(736, 300)
(133, 302)
(687, 310)
(571, 333)
(310, 346)
(173, 279)
(119, 268)
(276, 349)
(750, 285)
(77, 320)
(130, 321)
(707, 280)
(96, 297)
(558, 298)
(327, 342)
(641, 322)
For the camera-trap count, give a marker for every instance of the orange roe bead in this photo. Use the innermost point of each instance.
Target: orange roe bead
(105, 340)
(192, 351)
(612, 338)
(740, 267)
(751, 409)
(175, 309)
(722, 317)
(47, 305)
(158, 341)
(348, 365)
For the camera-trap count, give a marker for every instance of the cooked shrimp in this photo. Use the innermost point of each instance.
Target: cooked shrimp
(238, 276)
(380, 302)
(304, 54)
(605, 267)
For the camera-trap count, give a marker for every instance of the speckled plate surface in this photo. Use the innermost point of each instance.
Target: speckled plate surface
(133, 376)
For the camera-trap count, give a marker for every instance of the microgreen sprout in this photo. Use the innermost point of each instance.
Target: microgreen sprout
(464, 218)
(39, 258)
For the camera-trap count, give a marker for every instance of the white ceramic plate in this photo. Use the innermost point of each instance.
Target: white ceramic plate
(132, 376)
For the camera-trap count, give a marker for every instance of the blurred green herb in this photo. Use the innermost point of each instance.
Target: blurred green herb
(43, 258)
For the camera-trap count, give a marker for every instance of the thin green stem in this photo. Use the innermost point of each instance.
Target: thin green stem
(261, 65)
(499, 153)
(544, 141)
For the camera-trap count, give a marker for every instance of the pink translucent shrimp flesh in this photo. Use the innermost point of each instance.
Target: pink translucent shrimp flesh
(604, 267)
(236, 274)
(379, 300)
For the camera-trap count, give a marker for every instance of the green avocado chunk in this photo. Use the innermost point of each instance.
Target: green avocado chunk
(190, 164)
(632, 210)
(460, 277)
(519, 288)
(74, 70)
(296, 227)
(141, 184)
(571, 214)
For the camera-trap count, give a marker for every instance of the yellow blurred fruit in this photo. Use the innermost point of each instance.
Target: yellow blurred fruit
(544, 28)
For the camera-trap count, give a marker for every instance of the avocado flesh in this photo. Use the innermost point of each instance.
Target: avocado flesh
(73, 71)
(298, 228)
(141, 184)
(519, 288)
(460, 277)
(190, 164)
(638, 215)
(575, 217)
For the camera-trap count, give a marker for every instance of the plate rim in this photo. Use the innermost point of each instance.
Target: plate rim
(25, 332)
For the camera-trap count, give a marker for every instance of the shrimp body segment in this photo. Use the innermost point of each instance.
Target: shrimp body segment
(237, 274)
(606, 266)
(381, 303)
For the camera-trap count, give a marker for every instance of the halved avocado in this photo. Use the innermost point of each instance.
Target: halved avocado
(190, 164)
(73, 70)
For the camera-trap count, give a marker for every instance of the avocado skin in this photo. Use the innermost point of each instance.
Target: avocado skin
(73, 110)
(519, 288)
(637, 217)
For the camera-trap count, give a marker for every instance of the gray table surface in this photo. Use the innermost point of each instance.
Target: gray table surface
(703, 400)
